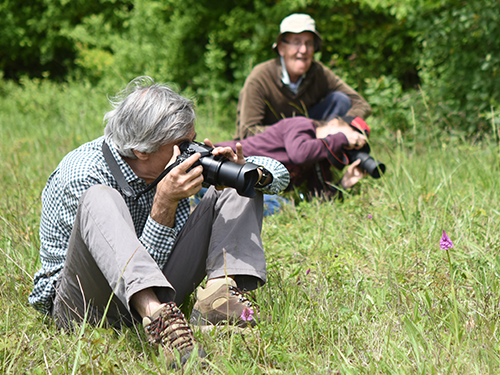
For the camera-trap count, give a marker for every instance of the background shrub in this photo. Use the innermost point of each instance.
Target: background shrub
(460, 60)
(449, 49)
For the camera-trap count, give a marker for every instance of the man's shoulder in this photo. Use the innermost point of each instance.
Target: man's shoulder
(83, 160)
(268, 67)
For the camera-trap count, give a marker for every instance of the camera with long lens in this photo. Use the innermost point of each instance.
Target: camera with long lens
(220, 171)
(373, 167)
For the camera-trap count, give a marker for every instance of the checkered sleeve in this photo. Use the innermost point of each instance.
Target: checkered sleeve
(159, 240)
(281, 177)
(59, 205)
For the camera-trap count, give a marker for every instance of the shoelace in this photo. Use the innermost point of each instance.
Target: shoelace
(173, 317)
(241, 295)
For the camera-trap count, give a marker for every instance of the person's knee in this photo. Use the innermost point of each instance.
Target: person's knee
(341, 104)
(102, 197)
(341, 99)
(98, 191)
(336, 103)
(102, 201)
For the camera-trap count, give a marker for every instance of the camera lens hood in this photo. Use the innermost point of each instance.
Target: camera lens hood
(220, 171)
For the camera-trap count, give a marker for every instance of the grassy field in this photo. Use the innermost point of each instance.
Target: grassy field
(361, 287)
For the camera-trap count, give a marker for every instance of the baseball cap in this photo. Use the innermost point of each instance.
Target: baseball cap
(358, 124)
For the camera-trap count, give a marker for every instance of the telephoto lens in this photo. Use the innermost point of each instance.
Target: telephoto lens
(220, 171)
(374, 168)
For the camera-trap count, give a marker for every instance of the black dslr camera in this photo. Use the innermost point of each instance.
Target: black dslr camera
(220, 171)
(374, 168)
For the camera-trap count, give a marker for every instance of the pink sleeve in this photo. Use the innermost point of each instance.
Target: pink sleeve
(303, 147)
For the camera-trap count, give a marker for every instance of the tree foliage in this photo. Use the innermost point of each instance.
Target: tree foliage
(460, 60)
(450, 48)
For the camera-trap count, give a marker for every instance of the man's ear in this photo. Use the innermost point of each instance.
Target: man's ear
(141, 155)
(280, 48)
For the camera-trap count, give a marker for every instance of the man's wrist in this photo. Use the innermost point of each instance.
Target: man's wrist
(265, 179)
(164, 213)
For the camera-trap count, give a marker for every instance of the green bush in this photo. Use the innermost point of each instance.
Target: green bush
(450, 49)
(460, 61)
(207, 46)
(34, 37)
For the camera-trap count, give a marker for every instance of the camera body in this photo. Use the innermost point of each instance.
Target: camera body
(220, 171)
(373, 167)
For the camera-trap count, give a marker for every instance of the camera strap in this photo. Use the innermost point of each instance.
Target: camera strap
(338, 161)
(120, 178)
(116, 171)
(326, 185)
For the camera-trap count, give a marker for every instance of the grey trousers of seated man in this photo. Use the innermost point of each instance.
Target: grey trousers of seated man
(106, 264)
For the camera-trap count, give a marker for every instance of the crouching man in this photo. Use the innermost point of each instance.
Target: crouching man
(110, 231)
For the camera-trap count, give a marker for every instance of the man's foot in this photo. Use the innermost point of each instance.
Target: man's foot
(168, 327)
(222, 301)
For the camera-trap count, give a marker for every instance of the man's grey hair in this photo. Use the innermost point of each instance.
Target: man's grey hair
(147, 115)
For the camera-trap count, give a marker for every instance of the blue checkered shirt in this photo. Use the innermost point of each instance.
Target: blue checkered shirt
(85, 167)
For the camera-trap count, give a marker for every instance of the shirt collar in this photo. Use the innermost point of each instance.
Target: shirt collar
(294, 87)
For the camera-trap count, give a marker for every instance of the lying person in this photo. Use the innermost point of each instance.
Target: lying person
(308, 149)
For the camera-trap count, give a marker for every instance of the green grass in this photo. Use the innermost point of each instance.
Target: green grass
(347, 294)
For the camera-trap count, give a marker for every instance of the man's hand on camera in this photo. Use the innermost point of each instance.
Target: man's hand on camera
(177, 184)
(352, 175)
(228, 152)
(355, 139)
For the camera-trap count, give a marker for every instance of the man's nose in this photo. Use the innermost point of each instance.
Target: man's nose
(303, 48)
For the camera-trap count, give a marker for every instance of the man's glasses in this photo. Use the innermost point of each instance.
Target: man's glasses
(298, 43)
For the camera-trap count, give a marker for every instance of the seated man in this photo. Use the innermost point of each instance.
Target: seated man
(294, 83)
(308, 149)
(107, 237)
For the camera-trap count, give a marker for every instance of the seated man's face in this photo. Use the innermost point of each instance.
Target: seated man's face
(158, 160)
(297, 51)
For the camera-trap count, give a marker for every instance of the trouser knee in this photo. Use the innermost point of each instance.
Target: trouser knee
(335, 104)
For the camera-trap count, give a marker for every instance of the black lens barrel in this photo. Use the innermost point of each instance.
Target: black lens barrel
(220, 171)
(374, 168)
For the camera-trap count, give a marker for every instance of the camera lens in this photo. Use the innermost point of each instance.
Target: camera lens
(242, 177)
(220, 171)
(374, 168)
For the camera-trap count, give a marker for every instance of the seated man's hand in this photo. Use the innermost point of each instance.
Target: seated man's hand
(355, 139)
(352, 175)
(180, 183)
(228, 152)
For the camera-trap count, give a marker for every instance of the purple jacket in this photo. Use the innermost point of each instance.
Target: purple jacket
(293, 142)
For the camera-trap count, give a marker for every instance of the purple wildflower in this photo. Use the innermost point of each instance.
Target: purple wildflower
(370, 216)
(308, 270)
(445, 242)
(247, 314)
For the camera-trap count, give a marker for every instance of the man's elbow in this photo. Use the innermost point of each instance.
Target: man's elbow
(301, 159)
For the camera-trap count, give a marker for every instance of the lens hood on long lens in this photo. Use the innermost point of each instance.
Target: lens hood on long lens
(220, 171)
(241, 177)
(374, 168)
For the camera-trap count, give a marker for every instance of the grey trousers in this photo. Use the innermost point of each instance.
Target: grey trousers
(106, 264)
